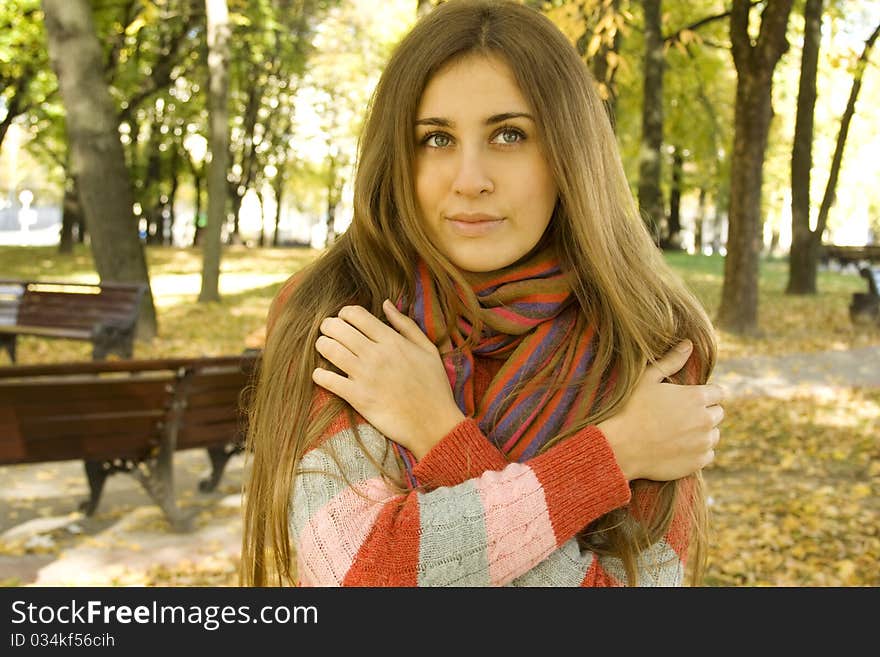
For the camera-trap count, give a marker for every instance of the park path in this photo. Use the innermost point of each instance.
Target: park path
(782, 376)
(128, 537)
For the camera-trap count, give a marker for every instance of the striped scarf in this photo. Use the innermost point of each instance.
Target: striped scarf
(531, 321)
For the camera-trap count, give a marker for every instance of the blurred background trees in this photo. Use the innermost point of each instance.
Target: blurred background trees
(679, 79)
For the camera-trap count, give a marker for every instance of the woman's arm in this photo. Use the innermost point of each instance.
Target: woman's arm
(350, 528)
(662, 564)
(507, 519)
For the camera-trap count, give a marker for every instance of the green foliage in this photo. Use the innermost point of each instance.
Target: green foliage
(22, 53)
(301, 75)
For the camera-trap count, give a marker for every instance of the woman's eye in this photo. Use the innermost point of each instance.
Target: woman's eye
(510, 136)
(437, 140)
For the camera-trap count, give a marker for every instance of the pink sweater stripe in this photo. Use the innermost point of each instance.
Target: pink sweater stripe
(331, 539)
(514, 547)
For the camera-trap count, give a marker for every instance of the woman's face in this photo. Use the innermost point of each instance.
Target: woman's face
(484, 188)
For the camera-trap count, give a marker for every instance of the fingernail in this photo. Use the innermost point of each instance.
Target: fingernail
(684, 346)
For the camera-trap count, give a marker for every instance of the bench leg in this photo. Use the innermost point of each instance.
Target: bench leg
(109, 339)
(157, 477)
(864, 309)
(219, 458)
(97, 474)
(162, 493)
(8, 342)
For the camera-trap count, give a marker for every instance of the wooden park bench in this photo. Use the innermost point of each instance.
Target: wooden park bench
(850, 255)
(126, 416)
(105, 314)
(865, 306)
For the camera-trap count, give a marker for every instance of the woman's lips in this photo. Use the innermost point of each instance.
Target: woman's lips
(474, 226)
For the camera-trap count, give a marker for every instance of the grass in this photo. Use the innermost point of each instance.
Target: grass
(249, 278)
(786, 323)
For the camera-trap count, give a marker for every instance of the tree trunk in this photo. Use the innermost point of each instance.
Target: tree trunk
(263, 218)
(700, 220)
(331, 223)
(172, 196)
(837, 158)
(650, 195)
(97, 160)
(673, 235)
(278, 188)
(249, 158)
(718, 221)
(218, 140)
(198, 231)
(803, 257)
(236, 200)
(15, 105)
(71, 217)
(754, 65)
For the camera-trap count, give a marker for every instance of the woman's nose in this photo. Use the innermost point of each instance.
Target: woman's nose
(472, 176)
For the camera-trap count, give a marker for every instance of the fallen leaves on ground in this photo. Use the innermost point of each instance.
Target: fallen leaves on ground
(795, 492)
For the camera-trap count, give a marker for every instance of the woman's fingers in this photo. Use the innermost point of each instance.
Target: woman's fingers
(717, 414)
(336, 353)
(357, 328)
(712, 394)
(367, 323)
(355, 337)
(671, 362)
(338, 385)
(345, 334)
(407, 326)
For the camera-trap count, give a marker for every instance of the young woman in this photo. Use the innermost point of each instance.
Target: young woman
(491, 378)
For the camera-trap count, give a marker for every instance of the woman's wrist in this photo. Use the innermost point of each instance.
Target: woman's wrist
(614, 436)
(436, 429)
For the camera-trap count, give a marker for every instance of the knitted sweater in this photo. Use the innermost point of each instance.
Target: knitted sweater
(477, 520)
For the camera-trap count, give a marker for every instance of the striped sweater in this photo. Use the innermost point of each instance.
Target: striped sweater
(477, 519)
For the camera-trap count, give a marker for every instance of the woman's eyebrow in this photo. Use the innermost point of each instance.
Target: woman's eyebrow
(495, 118)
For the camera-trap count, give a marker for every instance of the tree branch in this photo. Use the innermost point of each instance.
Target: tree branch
(693, 27)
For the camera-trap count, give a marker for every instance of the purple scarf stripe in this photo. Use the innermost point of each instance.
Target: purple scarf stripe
(534, 363)
(556, 422)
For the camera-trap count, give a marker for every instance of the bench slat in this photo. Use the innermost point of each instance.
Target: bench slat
(197, 415)
(205, 435)
(46, 332)
(137, 431)
(97, 449)
(110, 394)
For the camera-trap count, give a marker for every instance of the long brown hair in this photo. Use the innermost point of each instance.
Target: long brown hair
(624, 287)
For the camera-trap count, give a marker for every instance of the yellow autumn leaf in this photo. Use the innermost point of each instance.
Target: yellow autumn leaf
(845, 569)
(860, 491)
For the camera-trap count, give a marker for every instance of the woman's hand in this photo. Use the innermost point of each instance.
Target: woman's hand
(396, 378)
(666, 431)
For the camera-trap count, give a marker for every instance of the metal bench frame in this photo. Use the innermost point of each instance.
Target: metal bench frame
(865, 306)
